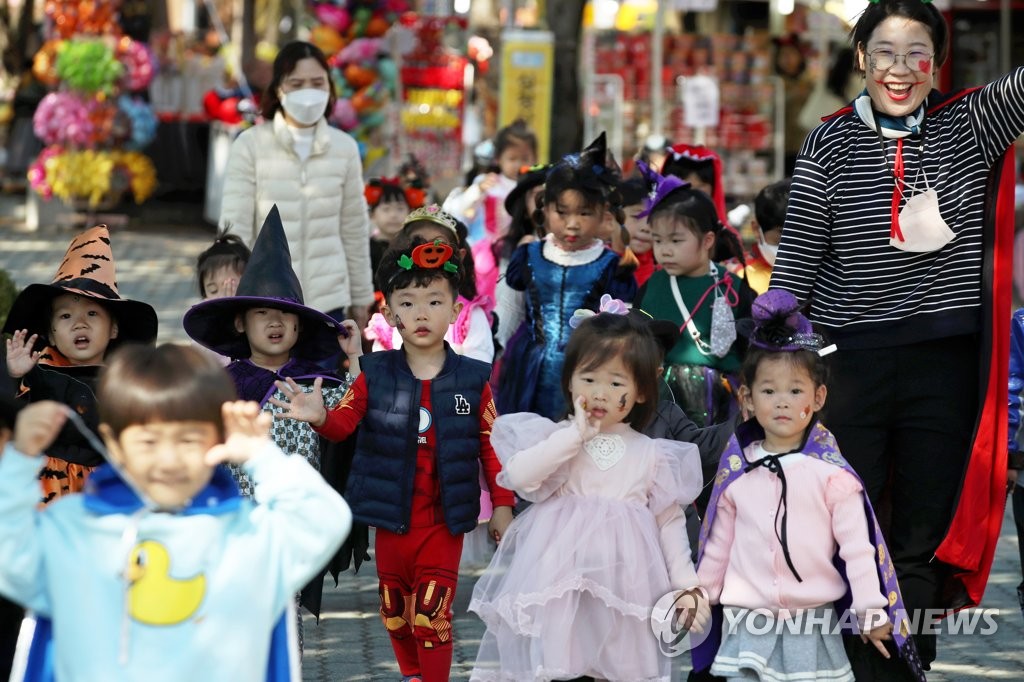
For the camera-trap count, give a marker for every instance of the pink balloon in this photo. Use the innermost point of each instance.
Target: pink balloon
(345, 115)
(336, 17)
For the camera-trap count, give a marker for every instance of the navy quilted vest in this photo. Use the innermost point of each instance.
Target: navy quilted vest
(380, 485)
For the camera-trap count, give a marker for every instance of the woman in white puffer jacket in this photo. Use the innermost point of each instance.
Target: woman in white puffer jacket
(313, 173)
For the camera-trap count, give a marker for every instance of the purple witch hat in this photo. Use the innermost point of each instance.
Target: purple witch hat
(661, 187)
(778, 324)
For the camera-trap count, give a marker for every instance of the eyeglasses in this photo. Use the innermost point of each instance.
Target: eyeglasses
(916, 60)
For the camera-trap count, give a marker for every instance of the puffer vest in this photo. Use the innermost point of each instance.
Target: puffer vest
(380, 485)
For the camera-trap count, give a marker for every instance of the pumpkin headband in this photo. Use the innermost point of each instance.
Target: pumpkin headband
(434, 214)
(374, 191)
(429, 257)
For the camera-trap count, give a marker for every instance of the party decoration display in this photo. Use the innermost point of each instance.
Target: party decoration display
(433, 97)
(92, 175)
(44, 63)
(88, 65)
(139, 64)
(93, 127)
(142, 122)
(351, 33)
(81, 17)
(63, 118)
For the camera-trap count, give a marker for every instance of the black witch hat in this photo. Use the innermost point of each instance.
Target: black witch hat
(267, 282)
(594, 169)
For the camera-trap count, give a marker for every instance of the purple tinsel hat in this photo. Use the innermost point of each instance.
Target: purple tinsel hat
(661, 187)
(779, 325)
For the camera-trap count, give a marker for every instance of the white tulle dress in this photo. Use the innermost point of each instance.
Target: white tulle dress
(572, 585)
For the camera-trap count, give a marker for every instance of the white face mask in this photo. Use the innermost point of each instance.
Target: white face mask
(769, 251)
(306, 106)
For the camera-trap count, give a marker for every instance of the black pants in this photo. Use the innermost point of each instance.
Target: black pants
(904, 418)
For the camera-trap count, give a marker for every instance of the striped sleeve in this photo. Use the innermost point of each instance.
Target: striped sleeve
(997, 114)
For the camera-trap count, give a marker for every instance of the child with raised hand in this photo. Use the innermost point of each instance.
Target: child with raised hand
(424, 415)
(481, 204)
(470, 334)
(219, 267)
(218, 270)
(61, 334)
(782, 480)
(569, 269)
(570, 590)
(169, 561)
(699, 295)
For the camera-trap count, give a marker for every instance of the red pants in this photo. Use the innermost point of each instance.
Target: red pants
(418, 572)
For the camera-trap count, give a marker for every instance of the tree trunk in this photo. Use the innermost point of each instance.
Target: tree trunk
(23, 35)
(565, 19)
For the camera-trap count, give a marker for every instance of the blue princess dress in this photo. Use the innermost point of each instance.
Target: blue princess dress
(556, 282)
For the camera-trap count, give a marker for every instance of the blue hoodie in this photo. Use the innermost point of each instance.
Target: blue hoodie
(209, 584)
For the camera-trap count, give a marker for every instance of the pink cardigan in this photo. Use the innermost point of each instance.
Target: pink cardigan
(743, 565)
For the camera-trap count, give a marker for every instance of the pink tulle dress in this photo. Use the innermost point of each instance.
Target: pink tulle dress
(572, 585)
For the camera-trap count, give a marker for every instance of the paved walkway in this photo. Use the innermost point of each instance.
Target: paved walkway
(155, 257)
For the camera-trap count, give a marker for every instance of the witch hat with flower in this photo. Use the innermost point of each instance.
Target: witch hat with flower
(594, 169)
(87, 270)
(268, 282)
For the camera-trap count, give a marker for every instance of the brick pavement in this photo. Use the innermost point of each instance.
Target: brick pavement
(155, 255)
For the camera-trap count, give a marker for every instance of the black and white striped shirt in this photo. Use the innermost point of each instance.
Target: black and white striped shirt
(835, 247)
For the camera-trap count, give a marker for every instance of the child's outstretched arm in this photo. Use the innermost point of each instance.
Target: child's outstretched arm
(21, 572)
(334, 424)
(20, 356)
(303, 520)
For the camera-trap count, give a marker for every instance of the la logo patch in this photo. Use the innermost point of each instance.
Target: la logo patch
(462, 405)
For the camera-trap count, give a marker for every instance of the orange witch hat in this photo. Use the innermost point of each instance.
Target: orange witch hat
(87, 270)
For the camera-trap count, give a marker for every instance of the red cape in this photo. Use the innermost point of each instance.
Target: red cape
(970, 542)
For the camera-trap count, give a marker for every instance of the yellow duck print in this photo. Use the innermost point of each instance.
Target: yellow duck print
(154, 597)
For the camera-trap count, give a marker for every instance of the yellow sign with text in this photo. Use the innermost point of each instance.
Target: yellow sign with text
(527, 65)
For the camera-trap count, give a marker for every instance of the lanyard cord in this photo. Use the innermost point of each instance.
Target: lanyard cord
(898, 174)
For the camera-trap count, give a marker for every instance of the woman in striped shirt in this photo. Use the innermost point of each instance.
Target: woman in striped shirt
(896, 236)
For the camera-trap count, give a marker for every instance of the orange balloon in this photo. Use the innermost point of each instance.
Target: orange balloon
(376, 27)
(44, 63)
(363, 101)
(326, 38)
(359, 76)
